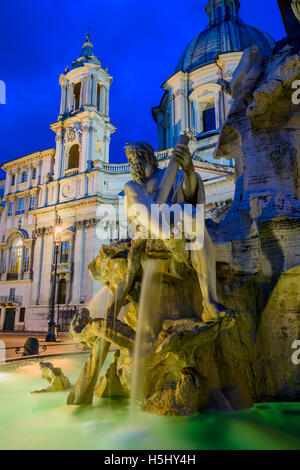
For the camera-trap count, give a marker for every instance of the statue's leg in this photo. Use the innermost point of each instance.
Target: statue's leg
(204, 262)
(83, 391)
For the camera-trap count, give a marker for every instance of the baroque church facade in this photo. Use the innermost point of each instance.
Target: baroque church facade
(71, 181)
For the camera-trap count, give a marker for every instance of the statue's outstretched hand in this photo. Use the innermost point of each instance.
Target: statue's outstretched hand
(183, 156)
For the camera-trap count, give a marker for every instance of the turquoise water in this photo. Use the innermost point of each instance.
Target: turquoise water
(43, 421)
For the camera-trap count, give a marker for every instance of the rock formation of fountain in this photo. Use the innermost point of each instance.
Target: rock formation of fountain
(228, 363)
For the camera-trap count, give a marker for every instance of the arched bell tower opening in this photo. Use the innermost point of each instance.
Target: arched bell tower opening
(76, 97)
(73, 160)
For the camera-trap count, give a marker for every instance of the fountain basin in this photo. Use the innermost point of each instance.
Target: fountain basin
(44, 421)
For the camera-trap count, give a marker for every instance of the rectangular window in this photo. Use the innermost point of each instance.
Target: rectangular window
(209, 120)
(10, 209)
(21, 206)
(13, 180)
(32, 203)
(34, 173)
(26, 259)
(12, 294)
(24, 177)
(22, 315)
(64, 252)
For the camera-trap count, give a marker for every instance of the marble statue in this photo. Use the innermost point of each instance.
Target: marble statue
(188, 269)
(200, 356)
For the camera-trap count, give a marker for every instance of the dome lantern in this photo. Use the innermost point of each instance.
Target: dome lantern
(222, 10)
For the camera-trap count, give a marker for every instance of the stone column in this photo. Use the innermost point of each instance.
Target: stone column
(79, 265)
(58, 154)
(195, 115)
(218, 108)
(102, 99)
(106, 101)
(63, 101)
(172, 121)
(94, 90)
(70, 97)
(29, 185)
(181, 106)
(81, 99)
(7, 182)
(18, 179)
(47, 267)
(38, 265)
(89, 91)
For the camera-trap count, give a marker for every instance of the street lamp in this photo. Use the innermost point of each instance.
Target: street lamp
(57, 232)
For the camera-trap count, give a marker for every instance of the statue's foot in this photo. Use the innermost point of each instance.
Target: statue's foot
(214, 311)
(178, 250)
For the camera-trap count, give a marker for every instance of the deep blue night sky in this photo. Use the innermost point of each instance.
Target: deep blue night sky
(140, 41)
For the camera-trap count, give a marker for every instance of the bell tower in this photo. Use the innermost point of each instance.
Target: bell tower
(222, 10)
(83, 128)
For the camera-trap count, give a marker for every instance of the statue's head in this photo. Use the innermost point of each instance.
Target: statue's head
(141, 159)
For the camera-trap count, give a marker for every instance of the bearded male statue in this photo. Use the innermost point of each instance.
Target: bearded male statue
(187, 187)
(145, 190)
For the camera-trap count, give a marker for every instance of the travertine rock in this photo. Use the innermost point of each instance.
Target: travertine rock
(58, 382)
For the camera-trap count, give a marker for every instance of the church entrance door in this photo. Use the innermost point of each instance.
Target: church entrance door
(9, 323)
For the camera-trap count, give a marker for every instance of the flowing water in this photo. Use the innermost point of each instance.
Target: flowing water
(147, 325)
(43, 421)
(99, 303)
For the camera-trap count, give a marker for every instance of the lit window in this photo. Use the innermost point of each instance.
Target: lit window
(64, 252)
(13, 180)
(209, 120)
(10, 209)
(24, 177)
(32, 203)
(16, 256)
(34, 173)
(21, 206)
(26, 259)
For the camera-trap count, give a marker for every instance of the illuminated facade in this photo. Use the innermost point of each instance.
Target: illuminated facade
(74, 179)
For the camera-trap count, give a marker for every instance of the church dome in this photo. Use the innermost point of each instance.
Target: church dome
(226, 33)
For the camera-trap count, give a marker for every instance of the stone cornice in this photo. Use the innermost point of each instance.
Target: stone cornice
(28, 159)
(70, 204)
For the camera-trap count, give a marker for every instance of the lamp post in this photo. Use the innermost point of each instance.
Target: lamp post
(51, 325)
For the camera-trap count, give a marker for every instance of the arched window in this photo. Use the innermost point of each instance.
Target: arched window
(73, 157)
(77, 91)
(61, 291)
(15, 259)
